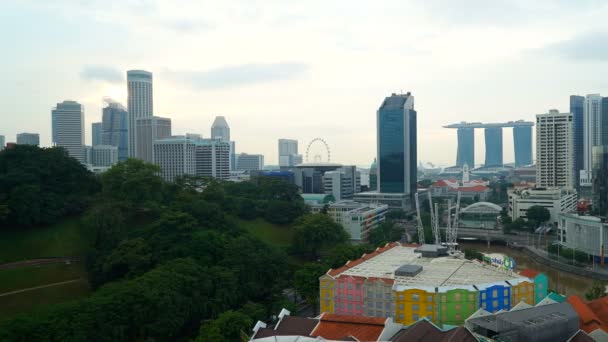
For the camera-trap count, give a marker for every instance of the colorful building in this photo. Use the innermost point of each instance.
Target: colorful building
(541, 283)
(396, 281)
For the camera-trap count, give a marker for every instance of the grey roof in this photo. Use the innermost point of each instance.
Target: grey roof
(395, 101)
(408, 270)
(534, 316)
(219, 121)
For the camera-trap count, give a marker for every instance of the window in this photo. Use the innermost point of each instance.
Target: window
(540, 286)
(326, 303)
(378, 295)
(388, 306)
(458, 317)
(495, 304)
(387, 296)
(494, 293)
(523, 290)
(457, 307)
(415, 297)
(358, 287)
(401, 317)
(505, 292)
(429, 298)
(457, 297)
(483, 295)
(350, 286)
(506, 302)
(400, 306)
(378, 305)
(415, 307)
(429, 307)
(415, 317)
(444, 299)
(358, 307)
(350, 297)
(357, 298)
(515, 290)
(400, 296)
(350, 307)
(484, 305)
(471, 297)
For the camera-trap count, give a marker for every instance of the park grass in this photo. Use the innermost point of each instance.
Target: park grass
(63, 239)
(272, 234)
(32, 276)
(30, 300)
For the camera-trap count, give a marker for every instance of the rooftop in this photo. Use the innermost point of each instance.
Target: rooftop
(446, 272)
(520, 123)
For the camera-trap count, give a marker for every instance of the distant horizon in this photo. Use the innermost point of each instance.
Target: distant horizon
(305, 70)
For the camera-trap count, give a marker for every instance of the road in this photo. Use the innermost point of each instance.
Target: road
(41, 287)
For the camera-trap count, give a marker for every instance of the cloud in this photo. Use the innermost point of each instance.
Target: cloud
(237, 76)
(590, 46)
(186, 25)
(101, 73)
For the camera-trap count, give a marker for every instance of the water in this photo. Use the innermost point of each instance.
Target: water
(562, 282)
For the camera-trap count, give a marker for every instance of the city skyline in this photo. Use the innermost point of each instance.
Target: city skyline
(450, 77)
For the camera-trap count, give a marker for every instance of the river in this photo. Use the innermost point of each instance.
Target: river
(563, 282)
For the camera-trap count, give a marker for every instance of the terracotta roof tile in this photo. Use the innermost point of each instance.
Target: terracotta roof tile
(339, 327)
(475, 188)
(529, 273)
(588, 319)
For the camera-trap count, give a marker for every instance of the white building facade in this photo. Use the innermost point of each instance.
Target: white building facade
(554, 150)
(587, 234)
(342, 183)
(358, 219)
(249, 162)
(104, 155)
(557, 201)
(288, 153)
(68, 128)
(140, 103)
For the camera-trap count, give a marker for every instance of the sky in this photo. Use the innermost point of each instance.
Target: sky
(304, 69)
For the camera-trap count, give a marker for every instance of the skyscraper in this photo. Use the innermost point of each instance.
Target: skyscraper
(577, 104)
(2, 142)
(96, 133)
(221, 130)
(522, 143)
(397, 147)
(148, 131)
(592, 134)
(554, 150)
(288, 153)
(68, 128)
(115, 128)
(600, 180)
(139, 83)
(28, 139)
(493, 137)
(466, 147)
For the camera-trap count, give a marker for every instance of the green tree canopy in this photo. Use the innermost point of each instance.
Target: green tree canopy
(306, 282)
(229, 326)
(538, 214)
(134, 182)
(314, 232)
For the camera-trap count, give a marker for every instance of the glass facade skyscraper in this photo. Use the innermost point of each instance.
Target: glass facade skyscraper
(466, 147)
(576, 109)
(397, 148)
(600, 180)
(115, 129)
(493, 137)
(522, 142)
(96, 133)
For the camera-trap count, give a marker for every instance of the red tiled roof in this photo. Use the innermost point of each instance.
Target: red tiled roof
(439, 183)
(589, 318)
(349, 264)
(475, 188)
(529, 273)
(338, 327)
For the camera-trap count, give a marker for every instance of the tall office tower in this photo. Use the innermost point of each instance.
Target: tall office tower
(96, 133)
(28, 139)
(221, 130)
(604, 122)
(288, 153)
(600, 180)
(592, 134)
(115, 128)
(68, 128)
(213, 158)
(554, 150)
(148, 131)
(577, 104)
(139, 83)
(2, 142)
(176, 156)
(493, 137)
(466, 147)
(522, 143)
(373, 176)
(397, 147)
(104, 155)
(249, 162)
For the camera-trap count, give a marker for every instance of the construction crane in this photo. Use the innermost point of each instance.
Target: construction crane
(434, 220)
(420, 226)
(452, 231)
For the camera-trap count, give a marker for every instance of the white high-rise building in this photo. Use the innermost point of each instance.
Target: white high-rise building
(180, 155)
(249, 162)
(104, 155)
(149, 130)
(592, 134)
(28, 139)
(220, 130)
(176, 157)
(68, 128)
(554, 150)
(342, 183)
(288, 153)
(139, 83)
(2, 142)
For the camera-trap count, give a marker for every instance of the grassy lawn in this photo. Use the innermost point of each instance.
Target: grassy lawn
(276, 235)
(30, 300)
(62, 239)
(32, 276)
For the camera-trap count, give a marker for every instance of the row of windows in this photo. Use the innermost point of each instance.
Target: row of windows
(494, 294)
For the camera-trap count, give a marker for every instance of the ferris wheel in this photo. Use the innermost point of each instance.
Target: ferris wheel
(316, 155)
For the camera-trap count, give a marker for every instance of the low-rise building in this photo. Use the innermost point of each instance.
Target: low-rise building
(587, 234)
(358, 219)
(556, 200)
(104, 155)
(249, 162)
(28, 139)
(397, 201)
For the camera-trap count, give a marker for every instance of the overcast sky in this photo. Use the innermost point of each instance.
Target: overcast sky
(304, 69)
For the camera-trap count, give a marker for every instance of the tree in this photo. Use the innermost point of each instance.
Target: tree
(597, 290)
(340, 254)
(131, 258)
(229, 326)
(314, 232)
(134, 182)
(306, 282)
(538, 214)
